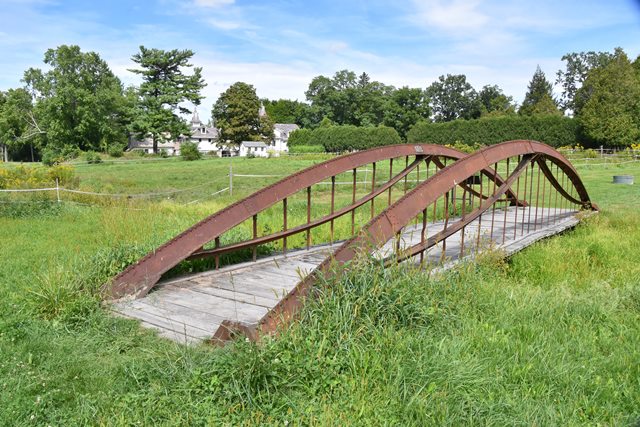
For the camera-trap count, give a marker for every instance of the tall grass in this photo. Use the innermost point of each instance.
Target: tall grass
(548, 337)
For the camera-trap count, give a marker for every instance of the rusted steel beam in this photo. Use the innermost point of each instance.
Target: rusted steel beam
(137, 279)
(384, 226)
(307, 226)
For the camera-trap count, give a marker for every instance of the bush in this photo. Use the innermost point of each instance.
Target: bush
(92, 157)
(51, 156)
(556, 131)
(115, 151)
(299, 137)
(350, 138)
(189, 151)
(299, 149)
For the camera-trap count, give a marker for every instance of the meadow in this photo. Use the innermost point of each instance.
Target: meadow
(550, 336)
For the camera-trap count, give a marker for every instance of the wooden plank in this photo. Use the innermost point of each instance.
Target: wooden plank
(268, 302)
(215, 305)
(178, 314)
(164, 323)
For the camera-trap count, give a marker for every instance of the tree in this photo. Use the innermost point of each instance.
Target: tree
(236, 113)
(348, 99)
(452, 97)
(164, 87)
(576, 69)
(16, 114)
(404, 108)
(79, 101)
(540, 92)
(495, 102)
(286, 111)
(611, 114)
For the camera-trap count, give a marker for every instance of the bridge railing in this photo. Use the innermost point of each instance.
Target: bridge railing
(325, 203)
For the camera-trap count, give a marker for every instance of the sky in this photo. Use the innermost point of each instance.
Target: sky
(280, 45)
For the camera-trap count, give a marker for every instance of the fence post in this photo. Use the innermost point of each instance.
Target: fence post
(58, 190)
(601, 151)
(230, 177)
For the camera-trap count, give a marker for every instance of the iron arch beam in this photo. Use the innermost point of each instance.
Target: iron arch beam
(137, 279)
(388, 223)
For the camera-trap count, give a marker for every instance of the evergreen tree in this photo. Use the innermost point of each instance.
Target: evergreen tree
(540, 92)
(611, 116)
(164, 88)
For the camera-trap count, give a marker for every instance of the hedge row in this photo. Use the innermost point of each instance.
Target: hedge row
(556, 131)
(345, 138)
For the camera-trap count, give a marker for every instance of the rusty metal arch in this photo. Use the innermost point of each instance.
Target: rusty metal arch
(139, 278)
(390, 222)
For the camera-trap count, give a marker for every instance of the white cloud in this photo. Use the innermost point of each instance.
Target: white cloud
(224, 25)
(213, 3)
(453, 17)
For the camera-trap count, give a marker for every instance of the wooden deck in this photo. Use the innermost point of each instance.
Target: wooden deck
(190, 309)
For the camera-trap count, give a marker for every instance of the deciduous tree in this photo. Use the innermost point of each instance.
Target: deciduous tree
(79, 101)
(236, 113)
(452, 97)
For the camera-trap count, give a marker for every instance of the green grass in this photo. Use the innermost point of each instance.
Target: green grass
(550, 337)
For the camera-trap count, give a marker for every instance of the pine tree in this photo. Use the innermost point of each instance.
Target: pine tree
(163, 89)
(539, 97)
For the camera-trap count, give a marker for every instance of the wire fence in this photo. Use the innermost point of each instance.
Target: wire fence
(202, 192)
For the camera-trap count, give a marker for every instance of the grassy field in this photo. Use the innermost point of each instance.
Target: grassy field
(549, 337)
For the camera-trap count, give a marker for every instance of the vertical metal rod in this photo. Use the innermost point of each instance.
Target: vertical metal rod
(418, 183)
(463, 213)
(308, 216)
(217, 257)
(353, 201)
(255, 234)
(530, 198)
(446, 223)
(535, 220)
(333, 196)
(515, 218)
(506, 206)
(493, 208)
(406, 165)
(284, 224)
(373, 185)
(423, 232)
(544, 194)
(551, 189)
(479, 216)
(555, 202)
(390, 176)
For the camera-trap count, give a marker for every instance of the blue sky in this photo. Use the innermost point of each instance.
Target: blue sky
(279, 46)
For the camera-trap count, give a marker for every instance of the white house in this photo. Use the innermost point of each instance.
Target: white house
(207, 138)
(257, 148)
(281, 132)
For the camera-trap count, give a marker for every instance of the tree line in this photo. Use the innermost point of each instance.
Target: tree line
(78, 103)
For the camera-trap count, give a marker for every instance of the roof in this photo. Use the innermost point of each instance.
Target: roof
(148, 143)
(209, 133)
(253, 144)
(286, 127)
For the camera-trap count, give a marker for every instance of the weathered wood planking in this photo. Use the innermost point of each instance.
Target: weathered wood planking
(190, 309)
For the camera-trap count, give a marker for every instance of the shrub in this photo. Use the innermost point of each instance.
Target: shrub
(299, 149)
(115, 151)
(299, 137)
(556, 131)
(189, 151)
(350, 138)
(92, 157)
(51, 156)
